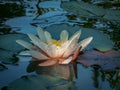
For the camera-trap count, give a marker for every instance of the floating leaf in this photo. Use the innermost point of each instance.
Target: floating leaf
(51, 4)
(109, 60)
(68, 86)
(28, 83)
(22, 23)
(7, 57)
(89, 10)
(41, 82)
(112, 15)
(26, 24)
(100, 40)
(8, 42)
(4, 55)
(9, 47)
(83, 9)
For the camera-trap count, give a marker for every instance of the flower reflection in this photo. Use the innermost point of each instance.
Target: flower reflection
(57, 70)
(52, 51)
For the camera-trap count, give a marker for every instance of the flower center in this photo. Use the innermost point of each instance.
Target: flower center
(55, 42)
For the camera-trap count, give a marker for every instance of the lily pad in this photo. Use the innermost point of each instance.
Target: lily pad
(7, 57)
(8, 42)
(9, 47)
(100, 41)
(41, 82)
(85, 10)
(50, 4)
(69, 86)
(22, 23)
(109, 60)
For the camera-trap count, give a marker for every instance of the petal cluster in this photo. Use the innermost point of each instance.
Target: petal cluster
(50, 51)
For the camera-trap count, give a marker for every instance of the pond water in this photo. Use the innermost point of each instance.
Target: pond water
(97, 67)
(88, 78)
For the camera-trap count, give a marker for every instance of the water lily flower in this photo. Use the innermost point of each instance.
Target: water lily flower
(52, 51)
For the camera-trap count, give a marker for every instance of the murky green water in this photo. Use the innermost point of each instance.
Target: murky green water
(19, 18)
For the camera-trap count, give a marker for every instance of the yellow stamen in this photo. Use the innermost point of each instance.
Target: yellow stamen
(55, 42)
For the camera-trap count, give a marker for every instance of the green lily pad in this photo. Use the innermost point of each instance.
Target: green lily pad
(41, 82)
(76, 9)
(9, 47)
(8, 42)
(100, 41)
(88, 10)
(83, 9)
(112, 15)
(7, 57)
(69, 86)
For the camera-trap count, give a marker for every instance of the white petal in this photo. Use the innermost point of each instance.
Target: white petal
(34, 39)
(64, 36)
(53, 51)
(38, 55)
(72, 44)
(66, 61)
(24, 53)
(76, 33)
(48, 36)
(43, 46)
(41, 34)
(85, 42)
(60, 51)
(25, 44)
(37, 41)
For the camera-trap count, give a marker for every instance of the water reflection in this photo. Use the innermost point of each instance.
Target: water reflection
(74, 72)
(59, 70)
(56, 77)
(112, 77)
(95, 79)
(100, 76)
